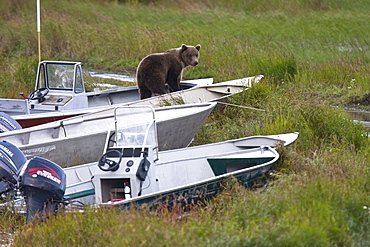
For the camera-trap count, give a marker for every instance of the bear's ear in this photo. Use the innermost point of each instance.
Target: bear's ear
(184, 47)
(198, 47)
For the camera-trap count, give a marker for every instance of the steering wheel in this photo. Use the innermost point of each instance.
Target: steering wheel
(112, 165)
(39, 94)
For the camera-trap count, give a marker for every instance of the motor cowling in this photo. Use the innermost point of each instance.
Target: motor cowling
(43, 184)
(7, 123)
(11, 161)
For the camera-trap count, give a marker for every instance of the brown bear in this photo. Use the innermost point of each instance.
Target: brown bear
(155, 70)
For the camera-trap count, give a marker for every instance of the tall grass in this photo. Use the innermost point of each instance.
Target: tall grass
(10, 223)
(314, 55)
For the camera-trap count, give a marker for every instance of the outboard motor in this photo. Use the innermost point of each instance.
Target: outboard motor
(43, 184)
(7, 123)
(11, 161)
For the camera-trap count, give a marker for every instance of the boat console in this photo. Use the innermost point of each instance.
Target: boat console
(59, 86)
(127, 166)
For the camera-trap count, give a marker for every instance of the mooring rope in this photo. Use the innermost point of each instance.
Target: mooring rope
(242, 106)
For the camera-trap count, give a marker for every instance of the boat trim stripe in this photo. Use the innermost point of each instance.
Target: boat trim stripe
(80, 194)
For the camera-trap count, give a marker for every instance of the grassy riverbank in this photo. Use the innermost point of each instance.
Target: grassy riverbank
(314, 55)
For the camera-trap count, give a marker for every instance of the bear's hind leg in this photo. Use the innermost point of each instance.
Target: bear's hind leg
(145, 94)
(156, 86)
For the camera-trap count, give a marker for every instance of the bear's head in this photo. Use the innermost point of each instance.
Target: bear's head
(189, 55)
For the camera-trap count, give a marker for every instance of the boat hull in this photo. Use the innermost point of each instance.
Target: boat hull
(97, 101)
(204, 190)
(105, 99)
(187, 174)
(81, 139)
(188, 189)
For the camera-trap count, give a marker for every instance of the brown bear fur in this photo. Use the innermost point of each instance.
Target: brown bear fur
(157, 69)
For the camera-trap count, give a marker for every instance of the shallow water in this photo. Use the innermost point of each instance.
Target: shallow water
(359, 116)
(113, 76)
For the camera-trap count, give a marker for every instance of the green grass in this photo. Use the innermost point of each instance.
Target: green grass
(314, 55)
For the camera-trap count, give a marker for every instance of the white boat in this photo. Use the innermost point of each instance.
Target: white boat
(80, 139)
(133, 171)
(60, 93)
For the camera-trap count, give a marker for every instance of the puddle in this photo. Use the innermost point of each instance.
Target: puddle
(113, 76)
(359, 116)
(363, 116)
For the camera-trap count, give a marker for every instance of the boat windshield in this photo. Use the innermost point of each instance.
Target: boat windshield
(135, 126)
(60, 76)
